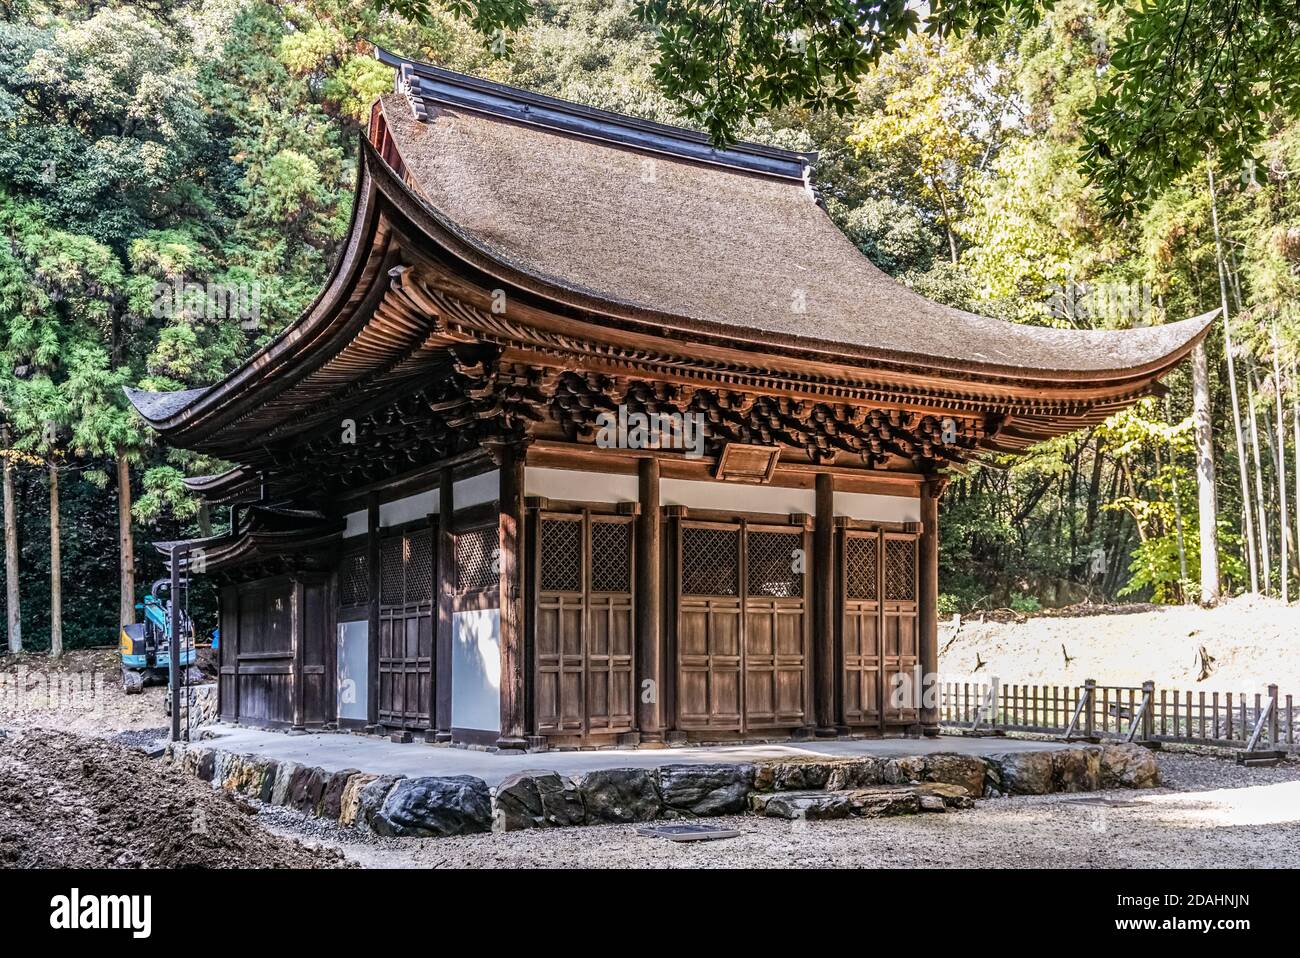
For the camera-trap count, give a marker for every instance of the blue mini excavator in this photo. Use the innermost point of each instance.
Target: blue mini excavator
(146, 646)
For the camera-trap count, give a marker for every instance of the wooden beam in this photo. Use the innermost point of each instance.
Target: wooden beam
(649, 635)
(927, 606)
(372, 629)
(510, 530)
(445, 588)
(823, 584)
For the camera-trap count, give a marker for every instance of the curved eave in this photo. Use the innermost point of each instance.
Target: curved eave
(231, 551)
(384, 201)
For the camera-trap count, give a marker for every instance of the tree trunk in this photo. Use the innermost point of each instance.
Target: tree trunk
(1205, 477)
(1259, 483)
(1178, 510)
(1232, 387)
(11, 557)
(1284, 533)
(125, 541)
(1295, 422)
(56, 571)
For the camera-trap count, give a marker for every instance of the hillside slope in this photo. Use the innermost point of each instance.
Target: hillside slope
(1253, 641)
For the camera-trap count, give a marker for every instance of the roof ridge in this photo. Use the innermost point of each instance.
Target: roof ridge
(423, 81)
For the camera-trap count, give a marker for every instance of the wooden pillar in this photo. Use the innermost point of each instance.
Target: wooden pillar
(510, 531)
(443, 595)
(372, 629)
(928, 599)
(823, 585)
(297, 629)
(649, 636)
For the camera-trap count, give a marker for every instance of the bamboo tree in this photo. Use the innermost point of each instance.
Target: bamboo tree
(1284, 533)
(1295, 446)
(1178, 506)
(1259, 482)
(1207, 500)
(1249, 540)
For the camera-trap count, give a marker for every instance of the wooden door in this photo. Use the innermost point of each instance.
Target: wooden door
(776, 627)
(863, 682)
(584, 678)
(898, 626)
(709, 627)
(742, 627)
(406, 627)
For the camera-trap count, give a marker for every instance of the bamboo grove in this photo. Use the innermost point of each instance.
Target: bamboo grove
(152, 153)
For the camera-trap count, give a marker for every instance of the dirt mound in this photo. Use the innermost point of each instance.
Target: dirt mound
(78, 802)
(1249, 641)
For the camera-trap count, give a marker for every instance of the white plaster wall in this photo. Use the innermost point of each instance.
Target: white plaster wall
(736, 497)
(469, 492)
(407, 510)
(356, 524)
(353, 673)
(573, 485)
(862, 505)
(477, 489)
(476, 670)
(570, 484)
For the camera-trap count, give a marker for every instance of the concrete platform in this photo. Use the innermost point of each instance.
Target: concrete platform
(335, 751)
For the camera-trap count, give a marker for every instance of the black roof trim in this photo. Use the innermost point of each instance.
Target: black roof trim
(421, 81)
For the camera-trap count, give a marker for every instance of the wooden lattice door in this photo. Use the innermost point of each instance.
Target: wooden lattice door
(898, 626)
(776, 627)
(742, 627)
(406, 628)
(863, 683)
(583, 672)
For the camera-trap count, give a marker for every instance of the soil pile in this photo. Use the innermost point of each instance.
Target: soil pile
(80, 802)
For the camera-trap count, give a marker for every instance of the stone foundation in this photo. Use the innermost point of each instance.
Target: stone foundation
(812, 789)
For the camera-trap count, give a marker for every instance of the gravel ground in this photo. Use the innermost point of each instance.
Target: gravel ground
(1210, 813)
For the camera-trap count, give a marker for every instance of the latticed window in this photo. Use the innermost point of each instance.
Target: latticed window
(862, 567)
(354, 579)
(390, 570)
(477, 555)
(611, 556)
(561, 555)
(710, 561)
(419, 567)
(776, 564)
(900, 569)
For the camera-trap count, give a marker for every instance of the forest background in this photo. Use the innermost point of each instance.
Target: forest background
(176, 178)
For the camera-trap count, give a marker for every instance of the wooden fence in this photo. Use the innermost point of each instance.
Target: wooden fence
(1137, 713)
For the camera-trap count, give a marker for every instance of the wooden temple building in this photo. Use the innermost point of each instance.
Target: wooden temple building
(601, 435)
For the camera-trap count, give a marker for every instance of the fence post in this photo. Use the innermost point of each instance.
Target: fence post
(1148, 710)
(1272, 719)
(1089, 707)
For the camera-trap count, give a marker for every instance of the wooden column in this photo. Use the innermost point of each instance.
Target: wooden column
(928, 598)
(372, 629)
(649, 635)
(297, 629)
(823, 586)
(443, 594)
(510, 531)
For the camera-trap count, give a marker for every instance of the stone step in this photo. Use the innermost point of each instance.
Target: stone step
(872, 802)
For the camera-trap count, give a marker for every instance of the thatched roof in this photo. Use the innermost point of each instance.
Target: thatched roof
(642, 239)
(703, 241)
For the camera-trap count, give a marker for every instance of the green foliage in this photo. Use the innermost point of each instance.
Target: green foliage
(1025, 603)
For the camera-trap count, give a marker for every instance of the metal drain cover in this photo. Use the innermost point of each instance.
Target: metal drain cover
(686, 833)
